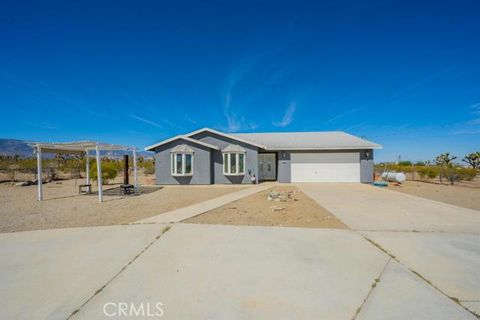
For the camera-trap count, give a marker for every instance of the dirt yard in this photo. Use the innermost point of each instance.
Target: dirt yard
(460, 196)
(63, 207)
(257, 210)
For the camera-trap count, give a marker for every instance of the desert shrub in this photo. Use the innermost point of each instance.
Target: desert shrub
(467, 174)
(422, 172)
(405, 169)
(148, 166)
(432, 172)
(427, 172)
(450, 173)
(109, 171)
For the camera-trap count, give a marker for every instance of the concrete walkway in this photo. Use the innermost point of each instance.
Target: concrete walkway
(202, 207)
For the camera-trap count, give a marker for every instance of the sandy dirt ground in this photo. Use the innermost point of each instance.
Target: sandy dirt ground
(256, 210)
(460, 196)
(63, 207)
(20, 176)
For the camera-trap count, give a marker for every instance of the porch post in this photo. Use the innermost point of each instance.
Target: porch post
(135, 170)
(87, 167)
(99, 174)
(39, 173)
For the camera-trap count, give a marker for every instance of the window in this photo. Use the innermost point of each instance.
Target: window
(182, 164)
(233, 163)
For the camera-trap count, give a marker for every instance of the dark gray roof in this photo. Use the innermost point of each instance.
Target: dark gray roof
(327, 140)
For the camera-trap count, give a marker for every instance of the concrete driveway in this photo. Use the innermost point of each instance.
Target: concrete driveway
(439, 242)
(368, 208)
(243, 272)
(449, 261)
(49, 274)
(198, 271)
(228, 272)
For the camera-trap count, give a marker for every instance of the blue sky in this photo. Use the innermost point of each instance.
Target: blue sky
(403, 74)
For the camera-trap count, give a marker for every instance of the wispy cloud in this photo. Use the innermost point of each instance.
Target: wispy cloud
(464, 130)
(153, 123)
(152, 107)
(236, 122)
(474, 122)
(418, 84)
(288, 116)
(41, 125)
(192, 121)
(404, 126)
(475, 108)
(341, 115)
(355, 126)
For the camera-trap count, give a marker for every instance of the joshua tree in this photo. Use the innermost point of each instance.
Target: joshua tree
(445, 160)
(473, 159)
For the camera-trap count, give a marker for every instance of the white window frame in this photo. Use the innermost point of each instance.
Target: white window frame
(228, 156)
(173, 164)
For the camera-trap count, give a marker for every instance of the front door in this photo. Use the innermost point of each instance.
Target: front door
(267, 166)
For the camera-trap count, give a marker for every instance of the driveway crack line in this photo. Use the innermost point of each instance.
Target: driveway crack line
(454, 299)
(119, 272)
(374, 285)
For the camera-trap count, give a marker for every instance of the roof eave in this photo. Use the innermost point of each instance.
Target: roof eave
(186, 138)
(327, 148)
(225, 135)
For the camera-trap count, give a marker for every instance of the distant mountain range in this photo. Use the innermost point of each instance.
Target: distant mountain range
(12, 147)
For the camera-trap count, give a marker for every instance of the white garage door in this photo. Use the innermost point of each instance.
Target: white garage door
(325, 167)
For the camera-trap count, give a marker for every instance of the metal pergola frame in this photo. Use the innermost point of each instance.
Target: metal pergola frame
(81, 147)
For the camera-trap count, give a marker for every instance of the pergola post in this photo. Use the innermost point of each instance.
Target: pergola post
(39, 173)
(99, 174)
(135, 175)
(87, 167)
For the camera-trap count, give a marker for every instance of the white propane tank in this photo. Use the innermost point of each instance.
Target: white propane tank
(393, 177)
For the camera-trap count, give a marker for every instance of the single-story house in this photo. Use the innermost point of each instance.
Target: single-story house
(208, 156)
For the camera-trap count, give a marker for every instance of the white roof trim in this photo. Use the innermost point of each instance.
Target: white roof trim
(226, 136)
(184, 137)
(328, 148)
(78, 146)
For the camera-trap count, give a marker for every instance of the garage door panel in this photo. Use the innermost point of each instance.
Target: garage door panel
(338, 157)
(325, 167)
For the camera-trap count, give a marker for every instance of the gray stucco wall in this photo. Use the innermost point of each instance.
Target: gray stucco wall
(284, 170)
(366, 166)
(251, 158)
(201, 164)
